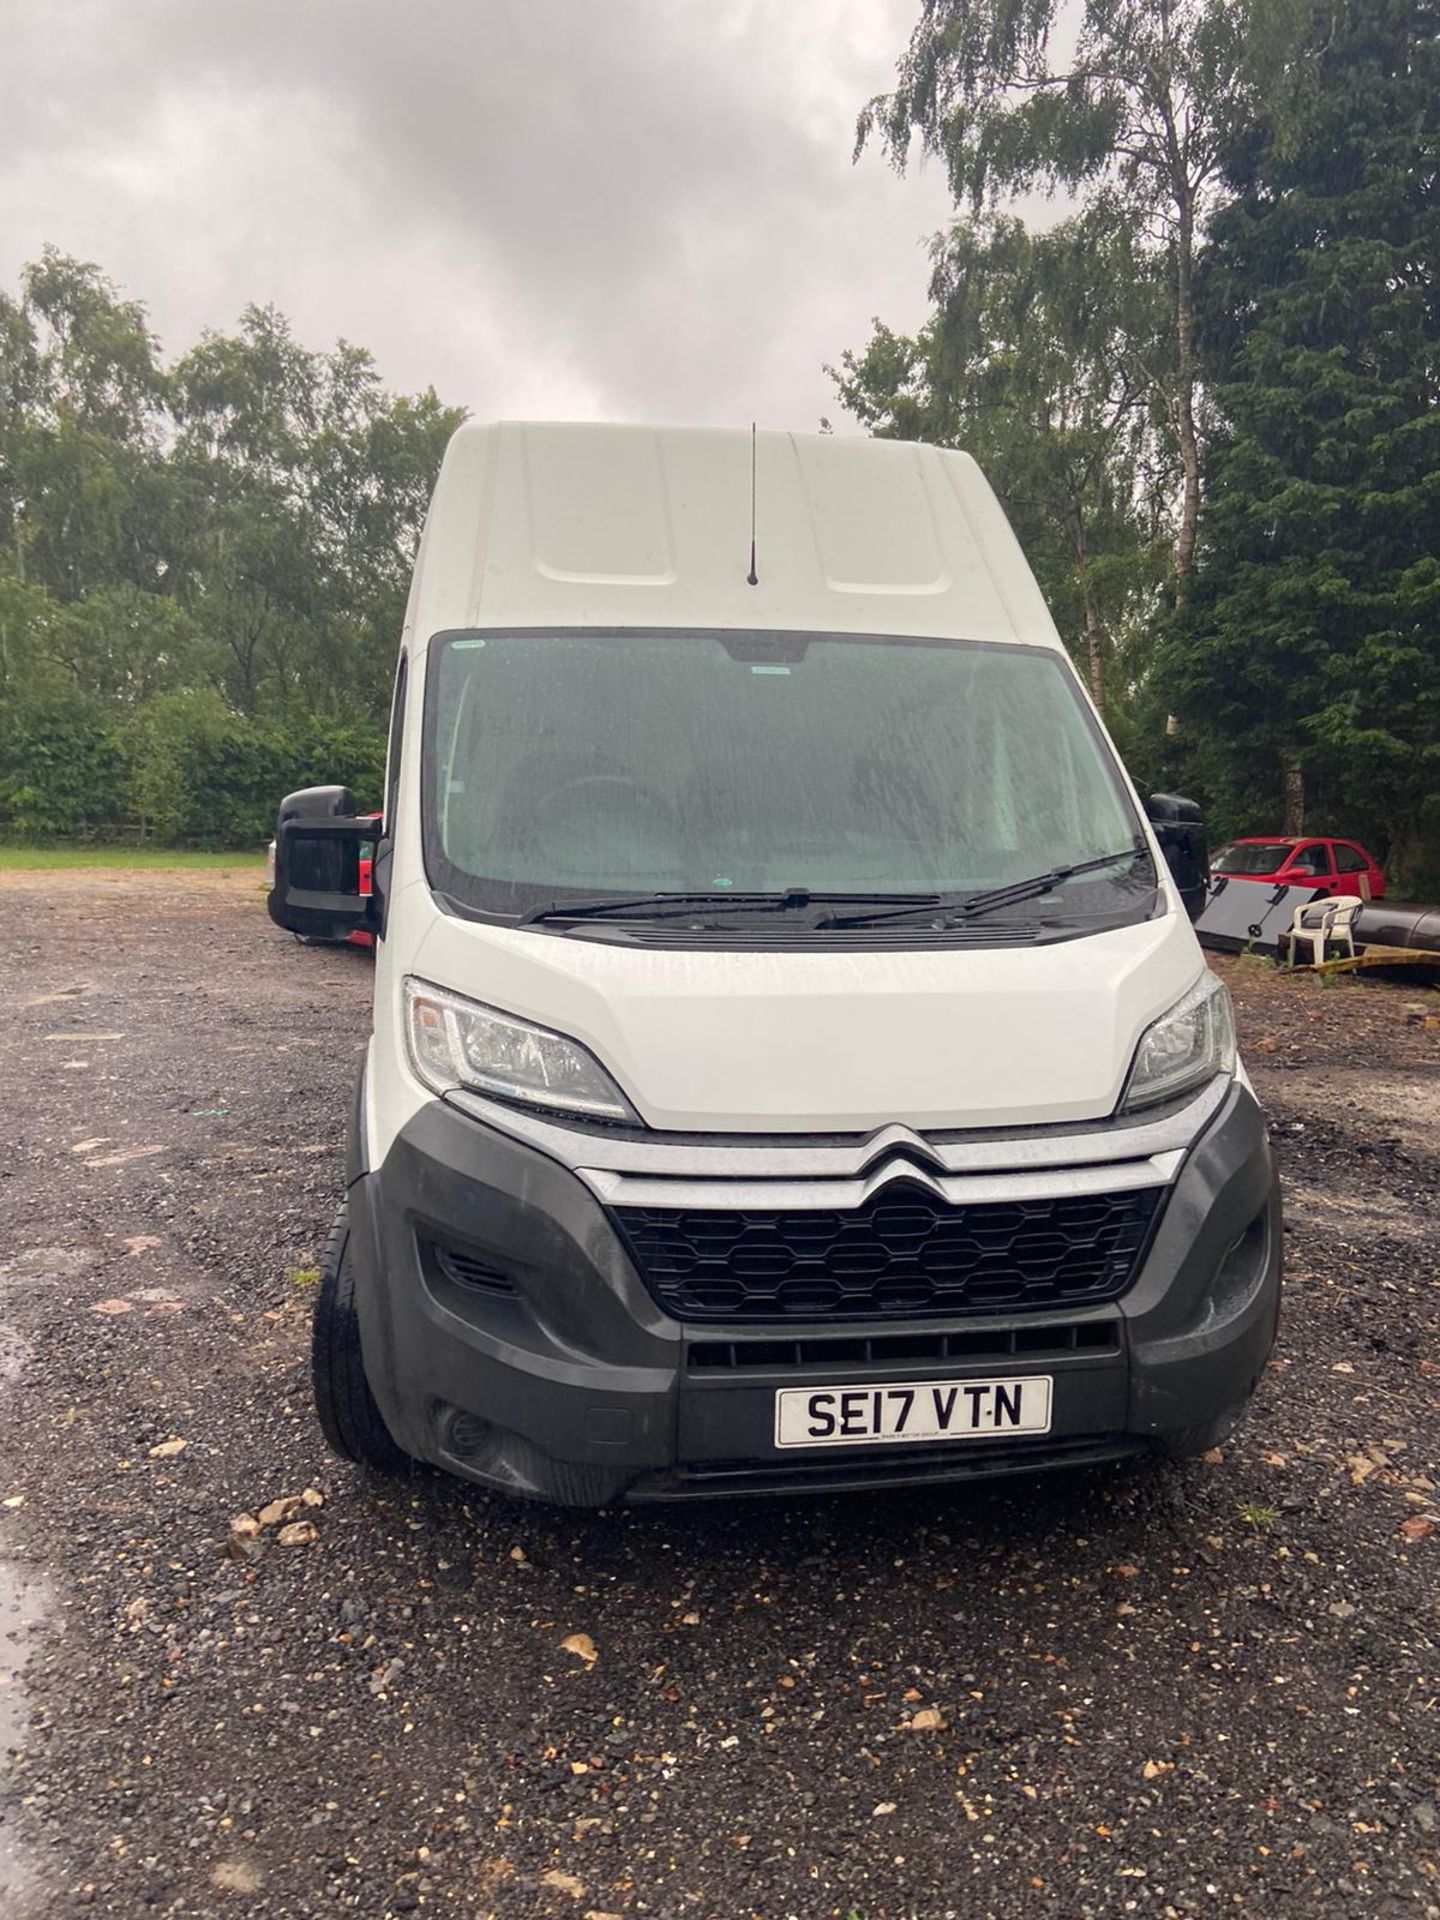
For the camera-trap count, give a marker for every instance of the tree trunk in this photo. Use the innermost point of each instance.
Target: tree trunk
(1294, 798)
(1093, 642)
(1094, 632)
(1185, 395)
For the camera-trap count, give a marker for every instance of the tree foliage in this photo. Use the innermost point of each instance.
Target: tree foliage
(1035, 361)
(1136, 114)
(1312, 639)
(1253, 255)
(221, 544)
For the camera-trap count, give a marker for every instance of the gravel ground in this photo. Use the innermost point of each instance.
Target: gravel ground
(1196, 1691)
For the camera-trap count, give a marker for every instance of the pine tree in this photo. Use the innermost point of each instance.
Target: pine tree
(1305, 668)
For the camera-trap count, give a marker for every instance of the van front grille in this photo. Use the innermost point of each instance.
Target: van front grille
(881, 1466)
(1093, 1339)
(904, 1254)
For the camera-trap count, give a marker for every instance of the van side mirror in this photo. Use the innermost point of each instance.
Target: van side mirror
(1180, 829)
(319, 840)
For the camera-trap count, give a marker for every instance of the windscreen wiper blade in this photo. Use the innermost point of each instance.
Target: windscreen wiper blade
(1041, 883)
(956, 911)
(680, 906)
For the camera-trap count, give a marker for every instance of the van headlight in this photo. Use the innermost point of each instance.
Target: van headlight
(455, 1042)
(1184, 1048)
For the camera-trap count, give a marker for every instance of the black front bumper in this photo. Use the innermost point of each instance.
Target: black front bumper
(508, 1337)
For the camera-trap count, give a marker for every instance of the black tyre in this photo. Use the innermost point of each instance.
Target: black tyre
(349, 1418)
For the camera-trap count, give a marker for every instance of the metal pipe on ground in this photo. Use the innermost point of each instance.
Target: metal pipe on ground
(1399, 923)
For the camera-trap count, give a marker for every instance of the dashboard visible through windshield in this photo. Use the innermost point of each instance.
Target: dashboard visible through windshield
(584, 762)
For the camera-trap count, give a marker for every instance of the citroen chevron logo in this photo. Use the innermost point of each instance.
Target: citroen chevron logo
(901, 1149)
(902, 1172)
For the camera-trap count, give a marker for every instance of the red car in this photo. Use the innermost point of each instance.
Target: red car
(1333, 866)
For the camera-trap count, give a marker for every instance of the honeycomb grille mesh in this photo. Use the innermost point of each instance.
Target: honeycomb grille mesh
(904, 1254)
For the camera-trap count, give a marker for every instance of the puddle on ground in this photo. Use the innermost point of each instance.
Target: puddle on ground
(1407, 1105)
(24, 1602)
(1376, 1215)
(37, 1265)
(15, 1350)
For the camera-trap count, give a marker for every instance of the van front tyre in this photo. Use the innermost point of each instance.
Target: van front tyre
(344, 1404)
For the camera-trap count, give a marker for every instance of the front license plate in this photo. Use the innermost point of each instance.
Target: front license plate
(911, 1410)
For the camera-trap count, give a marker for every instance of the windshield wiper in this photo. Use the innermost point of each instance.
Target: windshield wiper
(1046, 882)
(680, 906)
(970, 906)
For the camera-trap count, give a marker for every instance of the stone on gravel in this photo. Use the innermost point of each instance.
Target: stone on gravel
(238, 1876)
(927, 1720)
(276, 1512)
(563, 1883)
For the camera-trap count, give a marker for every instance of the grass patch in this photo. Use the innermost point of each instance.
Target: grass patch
(1251, 962)
(1262, 1519)
(125, 859)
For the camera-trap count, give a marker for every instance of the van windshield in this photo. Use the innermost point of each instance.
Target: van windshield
(583, 762)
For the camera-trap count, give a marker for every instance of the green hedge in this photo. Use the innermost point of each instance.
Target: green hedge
(62, 768)
(194, 771)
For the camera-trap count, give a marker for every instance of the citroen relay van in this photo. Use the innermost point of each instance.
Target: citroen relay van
(793, 1066)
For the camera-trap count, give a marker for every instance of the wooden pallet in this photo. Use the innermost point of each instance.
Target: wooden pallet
(1377, 957)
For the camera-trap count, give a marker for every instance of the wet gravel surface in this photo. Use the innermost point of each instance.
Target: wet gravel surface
(1206, 1690)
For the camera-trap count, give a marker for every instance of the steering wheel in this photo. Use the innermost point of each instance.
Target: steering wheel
(593, 783)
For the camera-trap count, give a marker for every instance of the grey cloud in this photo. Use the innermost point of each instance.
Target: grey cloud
(644, 207)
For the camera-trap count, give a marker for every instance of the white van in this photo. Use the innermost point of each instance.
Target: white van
(793, 1066)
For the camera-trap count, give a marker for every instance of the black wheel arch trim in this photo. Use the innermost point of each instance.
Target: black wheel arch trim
(357, 1157)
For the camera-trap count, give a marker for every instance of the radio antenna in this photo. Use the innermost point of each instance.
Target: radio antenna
(752, 578)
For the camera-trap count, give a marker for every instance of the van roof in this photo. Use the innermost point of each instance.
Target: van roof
(547, 524)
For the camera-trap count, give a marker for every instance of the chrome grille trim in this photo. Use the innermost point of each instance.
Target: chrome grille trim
(799, 1157)
(743, 1196)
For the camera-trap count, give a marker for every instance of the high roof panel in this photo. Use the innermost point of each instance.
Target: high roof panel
(547, 524)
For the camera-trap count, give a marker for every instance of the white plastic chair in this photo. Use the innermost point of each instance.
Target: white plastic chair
(1324, 923)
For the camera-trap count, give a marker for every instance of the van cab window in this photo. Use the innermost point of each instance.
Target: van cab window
(640, 761)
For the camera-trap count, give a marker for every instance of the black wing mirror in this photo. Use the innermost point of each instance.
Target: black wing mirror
(319, 841)
(1180, 829)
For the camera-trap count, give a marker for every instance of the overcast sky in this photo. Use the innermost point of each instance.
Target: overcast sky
(620, 209)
